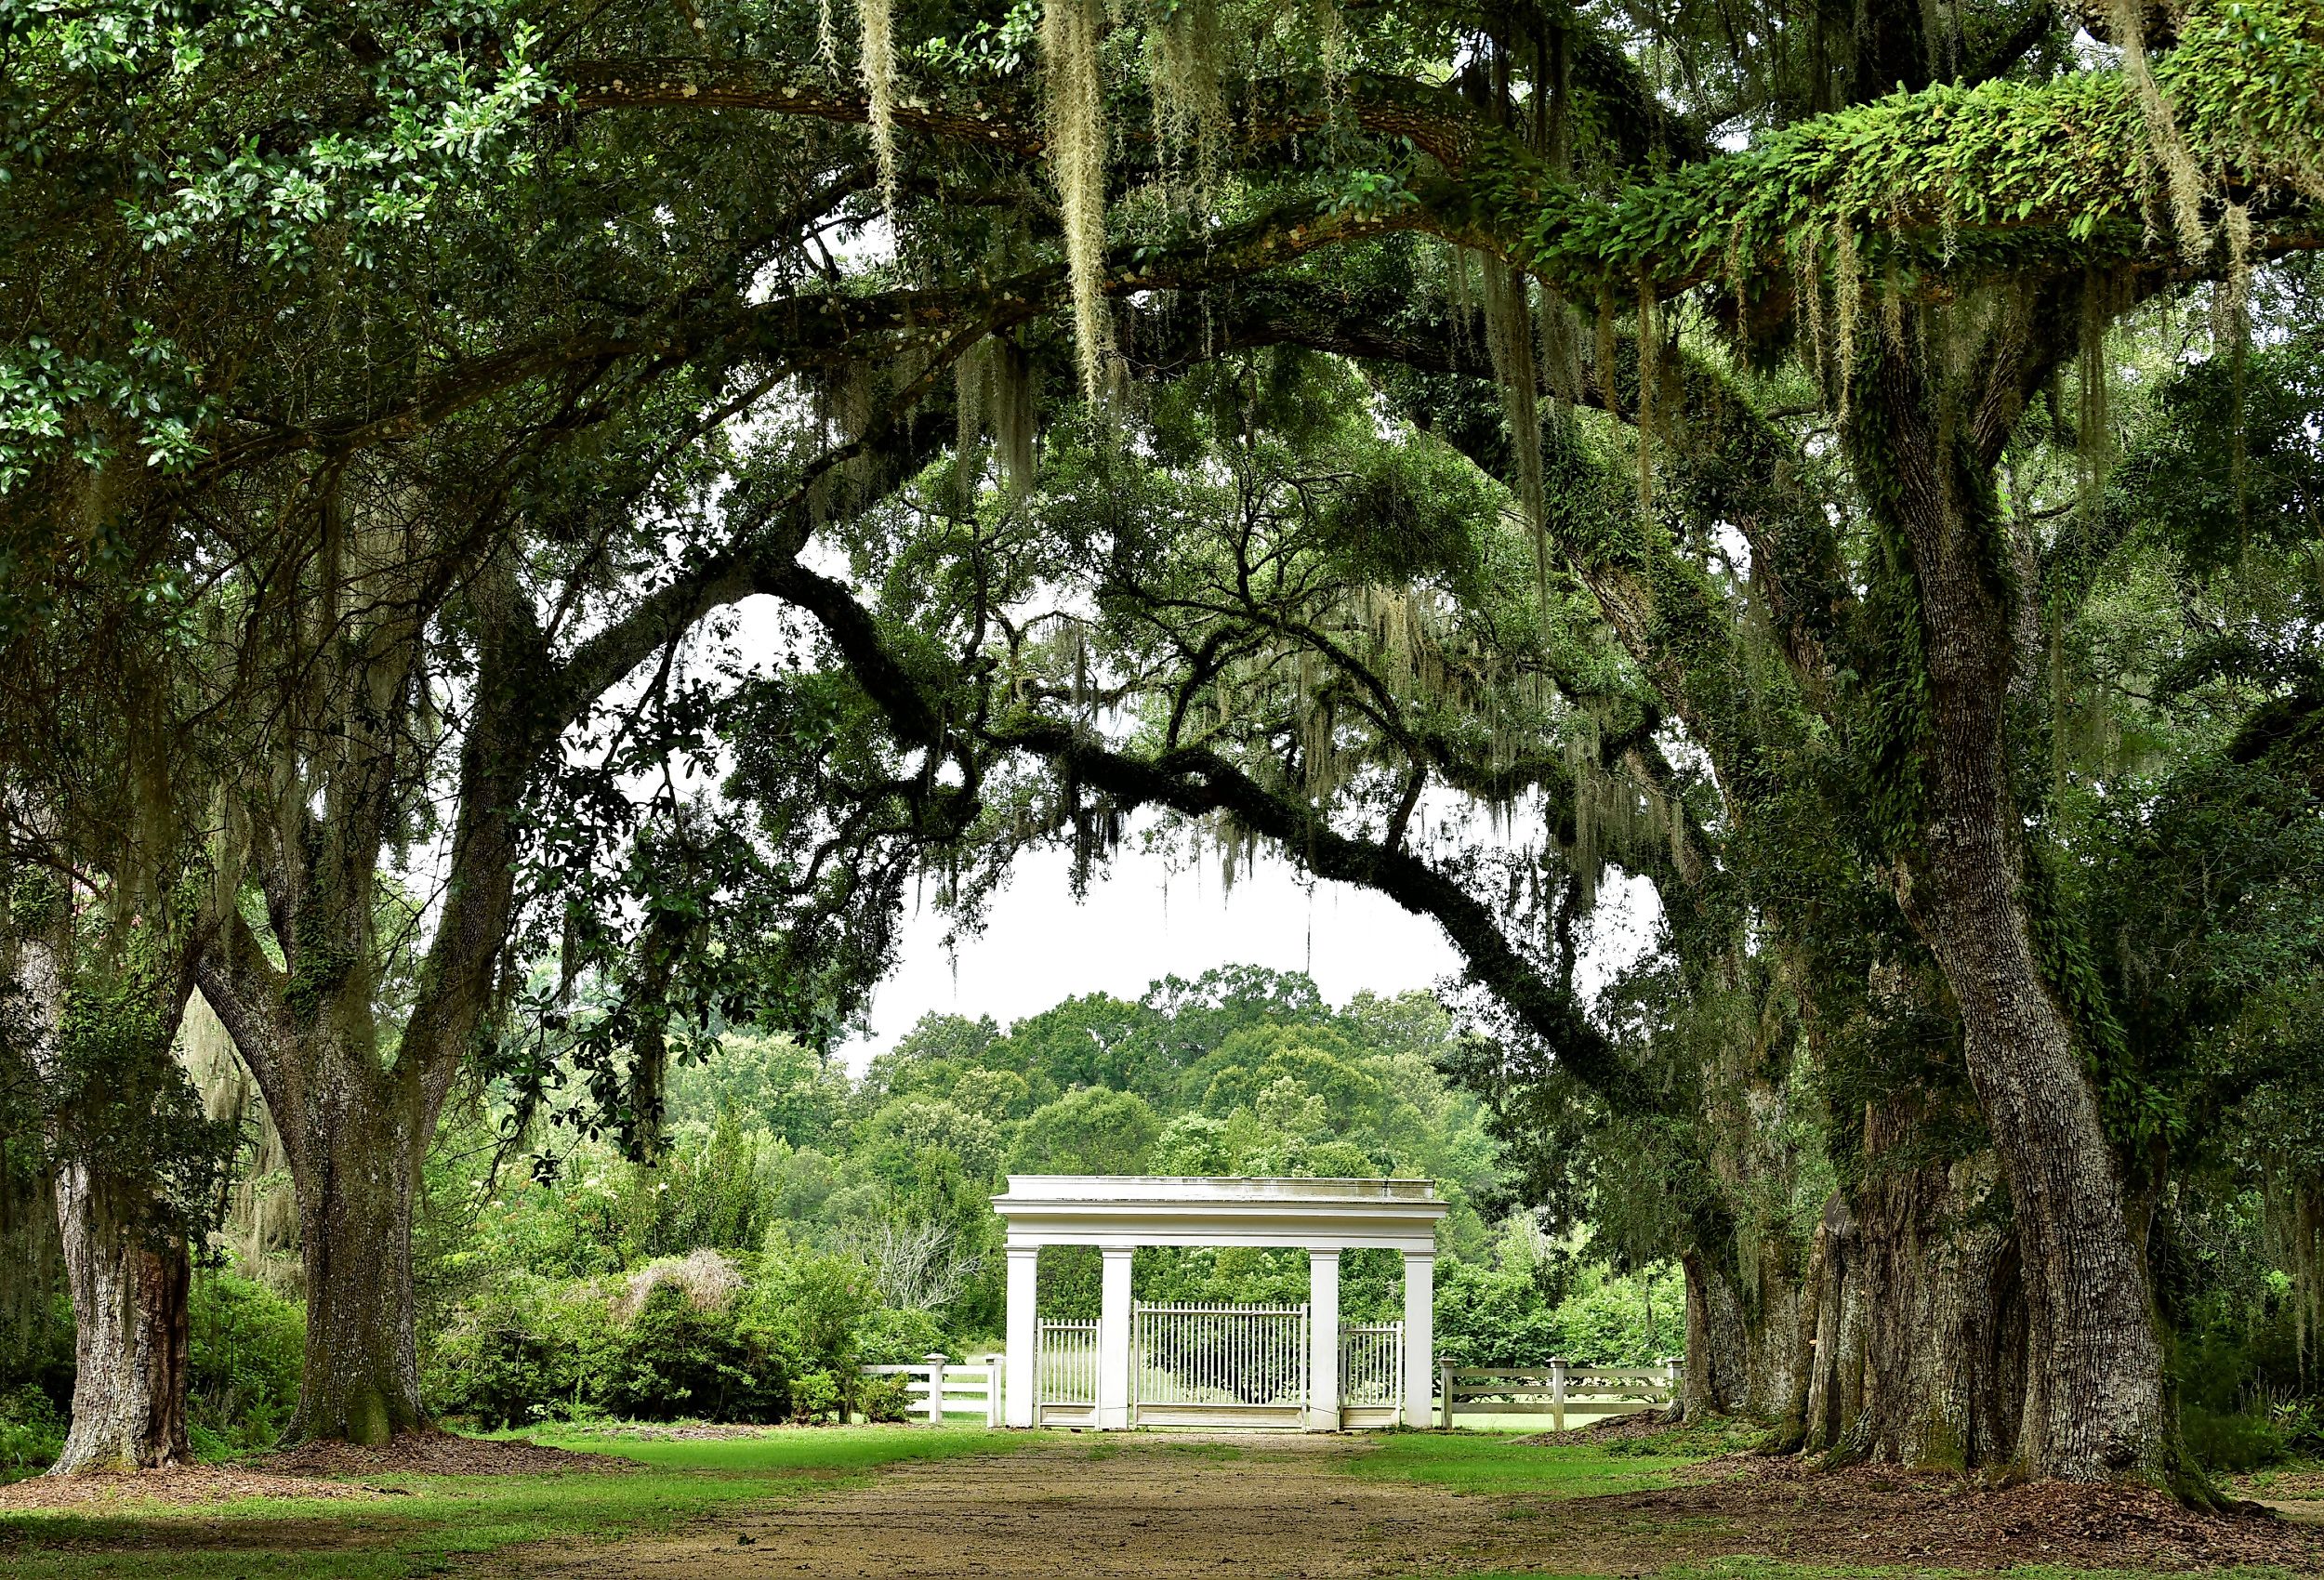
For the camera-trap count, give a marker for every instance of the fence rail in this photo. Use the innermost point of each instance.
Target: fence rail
(1553, 1390)
(938, 1388)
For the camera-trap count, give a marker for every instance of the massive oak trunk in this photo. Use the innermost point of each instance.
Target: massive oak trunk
(129, 1276)
(356, 1135)
(1919, 1321)
(1746, 1342)
(2094, 1403)
(356, 1170)
(123, 1246)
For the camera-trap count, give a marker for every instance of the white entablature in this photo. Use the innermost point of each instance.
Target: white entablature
(1314, 1215)
(1118, 1213)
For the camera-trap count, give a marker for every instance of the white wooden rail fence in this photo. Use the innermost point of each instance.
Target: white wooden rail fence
(1208, 1364)
(937, 1388)
(1553, 1390)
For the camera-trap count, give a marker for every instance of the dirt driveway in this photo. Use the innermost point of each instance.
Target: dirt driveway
(1254, 1507)
(1258, 1508)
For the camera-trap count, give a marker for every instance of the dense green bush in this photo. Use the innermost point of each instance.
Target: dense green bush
(247, 1347)
(31, 1433)
(2230, 1441)
(886, 1399)
(677, 1359)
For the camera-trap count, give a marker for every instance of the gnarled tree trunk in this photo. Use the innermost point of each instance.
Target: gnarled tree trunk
(129, 1279)
(1927, 438)
(1920, 1328)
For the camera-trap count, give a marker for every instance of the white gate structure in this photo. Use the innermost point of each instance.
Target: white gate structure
(1219, 1365)
(1216, 1365)
(1066, 1364)
(1371, 1374)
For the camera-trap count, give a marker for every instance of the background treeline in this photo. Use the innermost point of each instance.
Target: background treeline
(797, 1225)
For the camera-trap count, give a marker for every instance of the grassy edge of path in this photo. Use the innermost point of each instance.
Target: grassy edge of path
(437, 1519)
(1502, 1466)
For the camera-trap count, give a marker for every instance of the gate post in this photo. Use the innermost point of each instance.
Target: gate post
(935, 1359)
(1557, 1392)
(1114, 1359)
(1022, 1394)
(1322, 1341)
(1419, 1334)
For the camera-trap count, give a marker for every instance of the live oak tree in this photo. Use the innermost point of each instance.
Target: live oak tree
(408, 488)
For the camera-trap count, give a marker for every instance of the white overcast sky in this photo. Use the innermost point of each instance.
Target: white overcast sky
(1145, 919)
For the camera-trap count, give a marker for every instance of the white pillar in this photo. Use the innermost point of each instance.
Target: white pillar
(1322, 1341)
(1114, 1340)
(1420, 1334)
(1020, 1394)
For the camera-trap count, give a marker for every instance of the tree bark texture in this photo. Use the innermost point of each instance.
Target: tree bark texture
(2094, 1406)
(126, 1265)
(1919, 1322)
(131, 1328)
(1746, 1342)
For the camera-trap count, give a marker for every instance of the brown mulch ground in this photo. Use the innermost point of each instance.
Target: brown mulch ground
(193, 1483)
(1169, 1507)
(437, 1454)
(1786, 1508)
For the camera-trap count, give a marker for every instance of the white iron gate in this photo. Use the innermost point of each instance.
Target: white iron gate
(1220, 1365)
(1065, 1374)
(1371, 1374)
(1217, 1365)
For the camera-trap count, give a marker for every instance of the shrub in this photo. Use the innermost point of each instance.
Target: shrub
(2230, 1441)
(678, 1359)
(518, 1350)
(889, 1337)
(31, 1433)
(815, 1397)
(246, 1345)
(887, 1399)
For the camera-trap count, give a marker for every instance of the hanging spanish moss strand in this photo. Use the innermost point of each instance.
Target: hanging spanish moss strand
(1186, 66)
(1649, 375)
(1014, 416)
(971, 392)
(1071, 31)
(1509, 340)
(2093, 438)
(1560, 347)
(2236, 290)
(878, 68)
(826, 35)
(1847, 302)
(1459, 298)
(2185, 182)
(1335, 55)
(1605, 352)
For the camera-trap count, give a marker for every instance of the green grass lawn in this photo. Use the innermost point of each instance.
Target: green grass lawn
(443, 1517)
(1499, 1467)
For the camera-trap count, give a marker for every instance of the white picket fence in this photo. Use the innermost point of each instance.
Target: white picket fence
(938, 1388)
(1553, 1390)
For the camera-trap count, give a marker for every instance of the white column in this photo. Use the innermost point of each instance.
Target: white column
(1020, 1394)
(1114, 1340)
(1420, 1334)
(1322, 1341)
